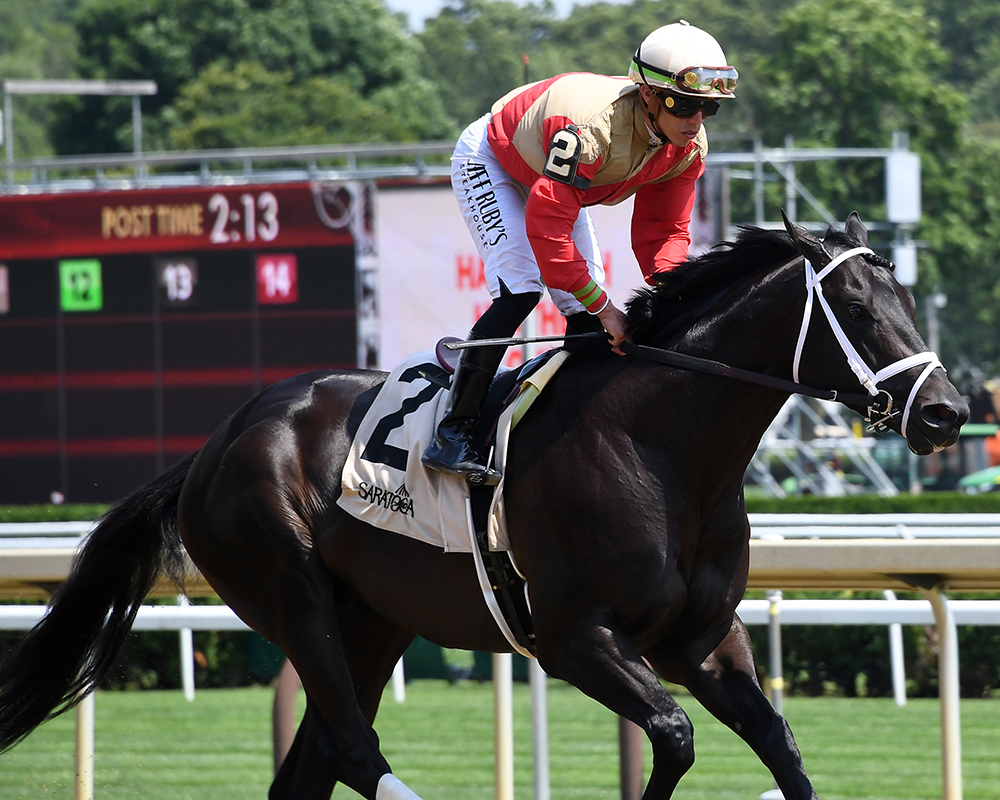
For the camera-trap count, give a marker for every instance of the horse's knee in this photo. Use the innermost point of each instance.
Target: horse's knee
(672, 739)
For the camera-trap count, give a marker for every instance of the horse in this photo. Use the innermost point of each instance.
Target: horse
(625, 513)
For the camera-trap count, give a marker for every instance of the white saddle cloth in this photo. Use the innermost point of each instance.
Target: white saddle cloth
(403, 495)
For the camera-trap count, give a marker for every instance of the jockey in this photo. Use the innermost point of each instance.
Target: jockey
(525, 173)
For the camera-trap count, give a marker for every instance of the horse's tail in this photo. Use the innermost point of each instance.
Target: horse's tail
(68, 653)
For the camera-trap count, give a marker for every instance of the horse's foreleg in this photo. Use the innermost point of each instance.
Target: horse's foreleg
(600, 662)
(726, 684)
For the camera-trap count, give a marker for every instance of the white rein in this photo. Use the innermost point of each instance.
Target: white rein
(865, 375)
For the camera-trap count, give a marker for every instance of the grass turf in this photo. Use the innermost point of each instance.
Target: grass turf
(156, 746)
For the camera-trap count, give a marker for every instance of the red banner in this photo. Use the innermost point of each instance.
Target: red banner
(169, 220)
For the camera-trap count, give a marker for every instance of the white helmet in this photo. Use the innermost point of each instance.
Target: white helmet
(683, 59)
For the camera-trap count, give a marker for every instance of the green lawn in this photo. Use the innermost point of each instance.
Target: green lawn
(156, 746)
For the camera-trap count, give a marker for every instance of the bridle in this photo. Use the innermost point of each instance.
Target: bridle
(881, 411)
(879, 401)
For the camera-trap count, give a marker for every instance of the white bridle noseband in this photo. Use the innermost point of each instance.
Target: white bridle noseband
(865, 375)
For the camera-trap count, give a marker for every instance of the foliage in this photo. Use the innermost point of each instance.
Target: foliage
(962, 207)
(853, 660)
(35, 46)
(928, 503)
(71, 512)
(473, 52)
(970, 32)
(189, 47)
(247, 106)
(846, 75)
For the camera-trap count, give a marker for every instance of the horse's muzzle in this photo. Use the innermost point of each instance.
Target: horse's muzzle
(937, 419)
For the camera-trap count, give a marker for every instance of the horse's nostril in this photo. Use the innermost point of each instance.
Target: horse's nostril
(944, 412)
(938, 414)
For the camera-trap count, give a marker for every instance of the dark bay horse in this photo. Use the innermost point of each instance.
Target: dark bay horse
(624, 506)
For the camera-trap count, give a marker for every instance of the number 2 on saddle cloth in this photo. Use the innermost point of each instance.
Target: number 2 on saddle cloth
(385, 484)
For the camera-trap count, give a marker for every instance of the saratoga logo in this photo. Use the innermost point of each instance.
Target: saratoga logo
(398, 500)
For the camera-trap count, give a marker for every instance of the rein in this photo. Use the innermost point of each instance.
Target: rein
(878, 401)
(710, 367)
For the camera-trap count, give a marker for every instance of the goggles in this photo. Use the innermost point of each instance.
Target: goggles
(702, 80)
(685, 107)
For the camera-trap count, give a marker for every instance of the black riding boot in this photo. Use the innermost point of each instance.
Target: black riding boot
(452, 450)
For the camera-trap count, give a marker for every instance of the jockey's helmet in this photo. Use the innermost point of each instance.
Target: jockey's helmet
(682, 58)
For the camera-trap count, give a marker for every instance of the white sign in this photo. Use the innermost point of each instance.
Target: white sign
(902, 187)
(431, 277)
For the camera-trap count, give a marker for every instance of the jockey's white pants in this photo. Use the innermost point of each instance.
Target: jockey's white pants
(492, 204)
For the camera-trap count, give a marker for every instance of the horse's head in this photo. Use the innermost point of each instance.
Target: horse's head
(857, 314)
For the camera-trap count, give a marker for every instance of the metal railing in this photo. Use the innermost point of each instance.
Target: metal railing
(338, 162)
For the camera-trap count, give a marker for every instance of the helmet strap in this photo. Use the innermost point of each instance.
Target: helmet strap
(650, 115)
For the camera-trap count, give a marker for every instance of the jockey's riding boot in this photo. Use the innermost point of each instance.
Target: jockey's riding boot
(593, 347)
(452, 449)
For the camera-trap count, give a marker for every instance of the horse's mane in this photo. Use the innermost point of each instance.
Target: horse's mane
(659, 314)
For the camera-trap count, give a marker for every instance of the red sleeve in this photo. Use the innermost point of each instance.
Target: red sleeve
(551, 212)
(661, 218)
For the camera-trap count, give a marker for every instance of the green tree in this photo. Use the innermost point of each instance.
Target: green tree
(962, 257)
(846, 75)
(173, 42)
(473, 51)
(38, 45)
(970, 32)
(602, 38)
(247, 106)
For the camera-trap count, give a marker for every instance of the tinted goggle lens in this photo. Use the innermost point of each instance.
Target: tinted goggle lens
(685, 107)
(702, 80)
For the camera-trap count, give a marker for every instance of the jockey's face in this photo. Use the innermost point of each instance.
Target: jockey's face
(679, 131)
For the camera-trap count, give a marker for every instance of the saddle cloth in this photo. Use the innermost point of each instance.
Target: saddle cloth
(384, 483)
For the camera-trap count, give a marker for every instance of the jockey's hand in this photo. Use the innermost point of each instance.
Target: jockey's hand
(615, 323)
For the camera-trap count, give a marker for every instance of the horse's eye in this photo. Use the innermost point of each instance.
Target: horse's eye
(856, 310)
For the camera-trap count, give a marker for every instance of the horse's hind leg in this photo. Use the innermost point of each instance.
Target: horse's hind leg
(371, 647)
(343, 666)
(726, 685)
(261, 567)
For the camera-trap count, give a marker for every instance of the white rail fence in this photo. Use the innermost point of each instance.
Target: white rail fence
(936, 530)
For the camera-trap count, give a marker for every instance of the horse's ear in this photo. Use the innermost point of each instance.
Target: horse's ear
(856, 229)
(811, 247)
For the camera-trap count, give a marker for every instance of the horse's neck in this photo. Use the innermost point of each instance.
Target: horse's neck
(725, 418)
(705, 418)
(755, 327)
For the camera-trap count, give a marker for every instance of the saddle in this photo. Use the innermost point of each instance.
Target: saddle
(503, 391)
(385, 485)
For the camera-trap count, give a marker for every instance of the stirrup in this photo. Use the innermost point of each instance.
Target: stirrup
(475, 474)
(485, 477)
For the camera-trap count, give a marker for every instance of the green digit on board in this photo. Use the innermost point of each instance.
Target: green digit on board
(80, 285)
